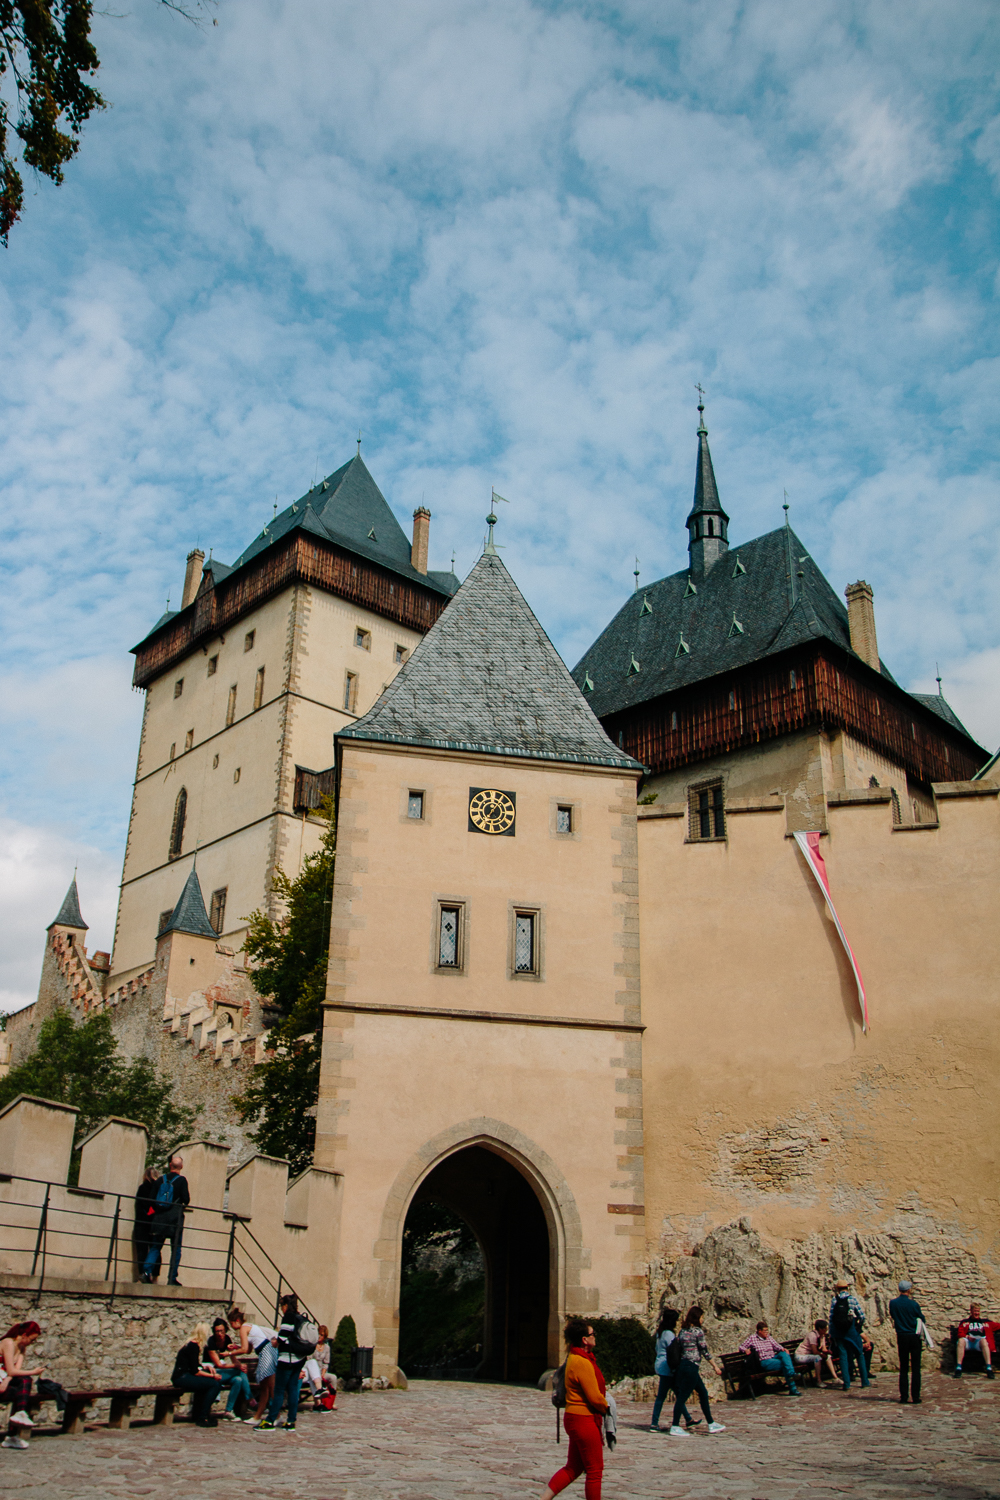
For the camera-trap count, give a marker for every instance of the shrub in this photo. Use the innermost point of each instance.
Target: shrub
(624, 1347)
(344, 1340)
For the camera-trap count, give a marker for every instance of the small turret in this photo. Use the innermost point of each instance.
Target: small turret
(707, 523)
(69, 912)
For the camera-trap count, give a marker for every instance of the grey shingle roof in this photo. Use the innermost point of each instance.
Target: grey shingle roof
(189, 915)
(487, 678)
(69, 912)
(938, 705)
(678, 632)
(349, 508)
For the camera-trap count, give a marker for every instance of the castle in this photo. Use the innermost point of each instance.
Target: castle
(583, 987)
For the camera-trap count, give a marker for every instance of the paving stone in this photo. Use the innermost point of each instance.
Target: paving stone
(449, 1441)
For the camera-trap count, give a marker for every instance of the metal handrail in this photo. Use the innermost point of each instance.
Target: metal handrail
(248, 1271)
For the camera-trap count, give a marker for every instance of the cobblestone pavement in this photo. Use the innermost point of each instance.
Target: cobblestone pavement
(441, 1441)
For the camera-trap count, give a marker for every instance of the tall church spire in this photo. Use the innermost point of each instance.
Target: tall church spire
(707, 523)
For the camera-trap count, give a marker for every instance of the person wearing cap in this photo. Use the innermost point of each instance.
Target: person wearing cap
(905, 1313)
(847, 1318)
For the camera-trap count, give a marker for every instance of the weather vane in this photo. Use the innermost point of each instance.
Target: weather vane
(491, 520)
(701, 405)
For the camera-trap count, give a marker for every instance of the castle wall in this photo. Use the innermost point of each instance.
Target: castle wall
(770, 1114)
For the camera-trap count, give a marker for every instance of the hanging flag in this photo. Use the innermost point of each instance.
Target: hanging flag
(809, 844)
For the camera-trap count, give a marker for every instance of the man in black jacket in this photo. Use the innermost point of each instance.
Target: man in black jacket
(172, 1197)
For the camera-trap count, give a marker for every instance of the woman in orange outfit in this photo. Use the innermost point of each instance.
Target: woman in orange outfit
(585, 1406)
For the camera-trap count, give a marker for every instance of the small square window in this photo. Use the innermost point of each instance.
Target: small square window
(564, 820)
(236, 774)
(399, 654)
(363, 638)
(213, 666)
(173, 750)
(249, 639)
(189, 739)
(524, 942)
(350, 691)
(415, 805)
(178, 687)
(449, 951)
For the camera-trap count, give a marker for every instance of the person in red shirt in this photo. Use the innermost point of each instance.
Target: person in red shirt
(585, 1407)
(977, 1332)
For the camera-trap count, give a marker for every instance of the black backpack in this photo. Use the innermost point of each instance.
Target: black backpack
(675, 1353)
(842, 1319)
(559, 1393)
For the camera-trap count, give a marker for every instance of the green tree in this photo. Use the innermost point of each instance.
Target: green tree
(80, 1065)
(289, 961)
(344, 1340)
(442, 1296)
(47, 53)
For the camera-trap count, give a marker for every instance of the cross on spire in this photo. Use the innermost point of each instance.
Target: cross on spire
(359, 443)
(701, 406)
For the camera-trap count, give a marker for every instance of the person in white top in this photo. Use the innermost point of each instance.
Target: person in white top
(252, 1339)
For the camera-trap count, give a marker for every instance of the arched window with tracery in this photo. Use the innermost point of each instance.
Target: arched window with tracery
(177, 827)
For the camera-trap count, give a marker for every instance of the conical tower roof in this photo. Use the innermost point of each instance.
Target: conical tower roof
(706, 491)
(486, 678)
(69, 912)
(189, 915)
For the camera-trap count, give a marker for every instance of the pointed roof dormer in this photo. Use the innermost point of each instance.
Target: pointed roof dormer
(486, 678)
(189, 915)
(69, 913)
(707, 523)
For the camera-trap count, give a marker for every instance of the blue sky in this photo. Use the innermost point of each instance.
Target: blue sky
(505, 241)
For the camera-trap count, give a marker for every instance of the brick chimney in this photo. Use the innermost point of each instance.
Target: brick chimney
(421, 537)
(192, 576)
(861, 618)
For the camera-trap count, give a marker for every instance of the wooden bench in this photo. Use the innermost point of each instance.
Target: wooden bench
(742, 1375)
(124, 1400)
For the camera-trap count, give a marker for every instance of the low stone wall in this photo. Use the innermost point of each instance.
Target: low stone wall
(87, 1343)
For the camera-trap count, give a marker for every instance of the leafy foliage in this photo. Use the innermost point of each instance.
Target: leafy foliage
(344, 1340)
(624, 1347)
(47, 52)
(442, 1293)
(289, 959)
(80, 1065)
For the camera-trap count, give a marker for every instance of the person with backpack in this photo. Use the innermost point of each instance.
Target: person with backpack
(847, 1318)
(666, 1367)
(297, 1338)
(172, 1197)
(580, 1387)
(693, 1348)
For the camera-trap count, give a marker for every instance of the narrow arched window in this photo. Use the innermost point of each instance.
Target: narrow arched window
(711, 527)
(177, 827)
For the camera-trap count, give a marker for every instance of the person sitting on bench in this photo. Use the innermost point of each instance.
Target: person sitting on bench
(814, 1351)
(774, 1358)
(189, 1376)
(976, 1332)
(15, 1380)
(231, 1372)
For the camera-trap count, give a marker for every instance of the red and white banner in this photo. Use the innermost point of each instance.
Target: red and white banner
(809, 844)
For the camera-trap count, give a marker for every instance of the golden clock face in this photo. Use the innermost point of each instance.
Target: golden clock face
(491, 811)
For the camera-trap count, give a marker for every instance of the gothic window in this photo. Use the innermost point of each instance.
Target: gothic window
(177, 827)
(258, 688)
(706, 812)
(217, 914)
(231, 706)
(350, 691)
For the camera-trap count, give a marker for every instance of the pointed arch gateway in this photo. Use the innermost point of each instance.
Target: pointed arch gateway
(450, 1165)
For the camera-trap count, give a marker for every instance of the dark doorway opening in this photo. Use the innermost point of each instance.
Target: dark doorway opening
(475, 1200)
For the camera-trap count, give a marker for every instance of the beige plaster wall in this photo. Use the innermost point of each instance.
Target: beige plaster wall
(399, 1091)
(765, 1102)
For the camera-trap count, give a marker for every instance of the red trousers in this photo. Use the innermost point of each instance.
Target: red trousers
(585, 1456)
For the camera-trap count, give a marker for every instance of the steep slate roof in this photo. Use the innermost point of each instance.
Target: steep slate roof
(346, 508)
(189, 915)
(69, 912)
(706, 491)
(487, 678)
(741, 612)
(937, 704)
